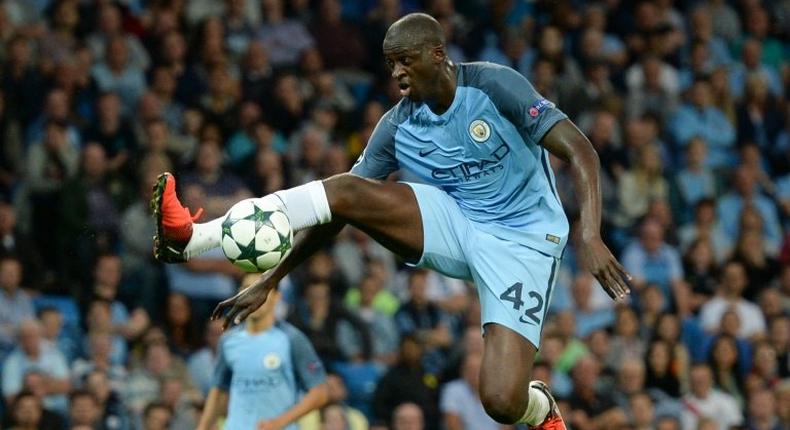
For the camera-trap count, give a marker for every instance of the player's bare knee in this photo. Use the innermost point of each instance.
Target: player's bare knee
(502, 407)
(343, 191)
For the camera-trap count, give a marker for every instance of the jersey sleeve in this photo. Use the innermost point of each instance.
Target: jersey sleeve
(222, 370)
(308, 369)
(378, 160)
(518, 101)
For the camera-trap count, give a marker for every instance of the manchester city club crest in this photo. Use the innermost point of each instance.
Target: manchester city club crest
(272, 361)
(479, 130)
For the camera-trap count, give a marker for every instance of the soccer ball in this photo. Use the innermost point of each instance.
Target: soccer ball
(256, 235)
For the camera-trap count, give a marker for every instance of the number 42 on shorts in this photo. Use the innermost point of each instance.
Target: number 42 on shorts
(514, 293)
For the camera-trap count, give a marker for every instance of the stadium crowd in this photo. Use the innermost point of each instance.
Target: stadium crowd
(685, 102)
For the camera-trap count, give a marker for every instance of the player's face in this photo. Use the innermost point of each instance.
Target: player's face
(413, 67)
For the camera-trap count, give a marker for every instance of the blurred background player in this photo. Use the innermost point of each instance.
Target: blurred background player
(267, 376)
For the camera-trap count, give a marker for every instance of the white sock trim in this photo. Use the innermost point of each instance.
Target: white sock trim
(205, 236)
(537, 408)
(306, 205)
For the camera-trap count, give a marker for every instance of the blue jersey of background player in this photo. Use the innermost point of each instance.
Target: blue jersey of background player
(268, 375)
(483, 151)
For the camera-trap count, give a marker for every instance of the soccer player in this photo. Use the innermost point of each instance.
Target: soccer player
(479, 135)
(263, 369)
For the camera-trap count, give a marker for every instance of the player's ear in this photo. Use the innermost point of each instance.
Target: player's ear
(438, 54)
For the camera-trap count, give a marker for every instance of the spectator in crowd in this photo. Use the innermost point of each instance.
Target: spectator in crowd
(408, 416)
(113, 413)
(588, 317)
(15, 304)
(729, 295)
(201, 363)
(336, 333)
(700, 267)
(699, 118)
(34, 353)
(100, 358)
(27, 412)
(180, 326)
(83, 410)
(746, 194)
(384, 332)
(284, 38)
(54, 330)
(724, 362)
(459, 401)
(35, 383)
(706, 227)
(592, 408)
(50, 164)
(696, 181)
(157, 416)
(626, 339)
(407, 381)
(762, 412)
(91, 215)
(642, 184)
(652, 260)
(109, 20)
(703, 401)
(423, 319)
(119, 74)
(17, 244)
(144, 382)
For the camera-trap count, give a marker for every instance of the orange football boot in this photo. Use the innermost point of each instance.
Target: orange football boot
(173, 221)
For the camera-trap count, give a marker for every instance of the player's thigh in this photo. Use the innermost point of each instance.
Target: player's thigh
(445, 231)
(419, 222)
(387, 211)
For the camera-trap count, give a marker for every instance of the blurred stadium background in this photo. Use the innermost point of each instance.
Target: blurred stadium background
(685, 101)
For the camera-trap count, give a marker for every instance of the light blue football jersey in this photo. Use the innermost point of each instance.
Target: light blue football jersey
(484, 151)
(265, 373)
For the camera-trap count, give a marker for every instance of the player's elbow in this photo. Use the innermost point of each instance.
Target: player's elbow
(584, 155)
(320, 395)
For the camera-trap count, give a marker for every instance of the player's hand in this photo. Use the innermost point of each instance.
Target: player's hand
(607, 270)
(236, 309)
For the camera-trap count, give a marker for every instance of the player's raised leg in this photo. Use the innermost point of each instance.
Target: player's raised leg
(387, 211)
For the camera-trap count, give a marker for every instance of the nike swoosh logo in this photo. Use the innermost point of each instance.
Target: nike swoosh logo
(424, 153)
(521, 319)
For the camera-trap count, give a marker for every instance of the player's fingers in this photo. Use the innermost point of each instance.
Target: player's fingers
(617, 284)
(230, 317)
(623, 282)
(242, 315)
(232, 308)
(601, 277)
(614, 283)
(626, 276)
(220, 308)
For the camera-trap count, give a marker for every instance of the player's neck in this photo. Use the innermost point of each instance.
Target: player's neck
(257, 325)
(445, 89)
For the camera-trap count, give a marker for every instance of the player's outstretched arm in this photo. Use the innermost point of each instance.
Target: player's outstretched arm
(235, 309)
(567, 142)
(316, 398)
(216, 406)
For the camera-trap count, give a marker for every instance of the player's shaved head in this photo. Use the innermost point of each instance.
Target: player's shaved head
(415, 30)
